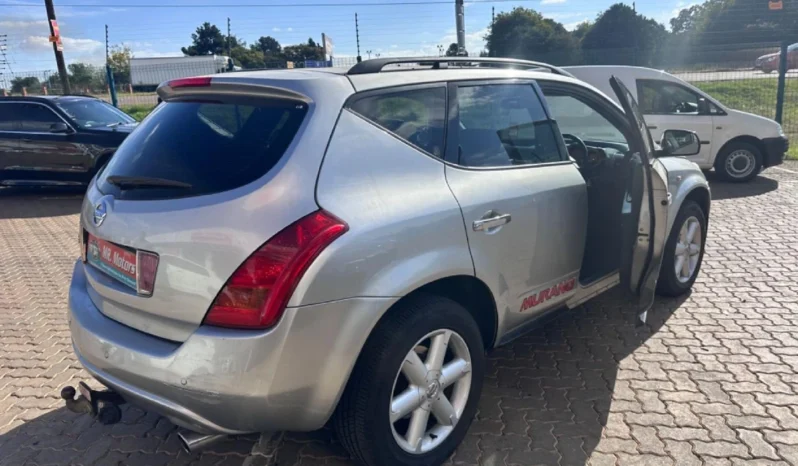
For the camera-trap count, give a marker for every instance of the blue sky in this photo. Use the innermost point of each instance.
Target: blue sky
(384, 29)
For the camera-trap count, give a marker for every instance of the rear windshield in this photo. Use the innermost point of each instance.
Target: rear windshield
(207, 147)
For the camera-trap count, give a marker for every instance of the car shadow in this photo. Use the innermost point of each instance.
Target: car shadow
(546, 400)
(34, 203)
(756, 187)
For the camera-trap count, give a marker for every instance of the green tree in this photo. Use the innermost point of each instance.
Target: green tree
(83, 76)
(247, 58)
(452, 50)
(581, 29)
(31, 83)
(525, 33)
(687, 20)
(301, 52)
(621, 36)
(119, 59)
(207, 40)
(268, 46)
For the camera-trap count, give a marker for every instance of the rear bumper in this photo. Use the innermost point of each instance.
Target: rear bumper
(775, 150)
(229, 381)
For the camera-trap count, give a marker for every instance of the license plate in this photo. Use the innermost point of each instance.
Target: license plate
(116, 261)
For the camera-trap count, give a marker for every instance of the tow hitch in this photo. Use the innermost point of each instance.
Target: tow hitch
(102, 404)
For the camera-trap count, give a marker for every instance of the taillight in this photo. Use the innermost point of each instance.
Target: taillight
(256, 294)
(146, 267)
(190, 82)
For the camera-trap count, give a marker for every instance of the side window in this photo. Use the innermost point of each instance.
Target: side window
(8, 119)
(502, 125)
(36, 118)
(576, 117)
(664, 98)
(416, 116)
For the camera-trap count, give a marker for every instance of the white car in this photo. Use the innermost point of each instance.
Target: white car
(738, 145)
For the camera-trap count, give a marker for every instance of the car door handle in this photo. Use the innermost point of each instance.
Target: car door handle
(652, 127)
(489, 223)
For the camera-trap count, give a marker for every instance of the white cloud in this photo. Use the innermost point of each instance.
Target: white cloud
(78, 46)
(289, 29)
(551, 2)
(276, 29)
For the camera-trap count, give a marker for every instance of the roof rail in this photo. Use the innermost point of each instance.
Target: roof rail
(376, 65)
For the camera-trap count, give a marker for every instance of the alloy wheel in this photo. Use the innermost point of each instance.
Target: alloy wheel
(688, 249)
(430, 391)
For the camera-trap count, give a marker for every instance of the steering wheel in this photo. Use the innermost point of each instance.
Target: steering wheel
(575, 144)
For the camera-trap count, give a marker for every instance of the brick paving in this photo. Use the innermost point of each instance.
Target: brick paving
(713, 380)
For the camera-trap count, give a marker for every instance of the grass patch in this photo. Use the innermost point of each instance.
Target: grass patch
(137, 111)
(758, 96)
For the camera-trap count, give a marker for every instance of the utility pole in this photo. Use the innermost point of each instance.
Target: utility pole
(228, 38)
(357, 37)
(459, 11)
(59, 54)
(106, 44)
(492, 23)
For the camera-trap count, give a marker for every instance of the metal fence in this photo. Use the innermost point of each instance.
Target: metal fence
(734, 76)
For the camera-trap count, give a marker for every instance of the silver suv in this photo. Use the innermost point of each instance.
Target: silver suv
(274, 250)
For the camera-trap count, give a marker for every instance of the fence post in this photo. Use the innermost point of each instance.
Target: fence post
(111, 85)
(782, 81)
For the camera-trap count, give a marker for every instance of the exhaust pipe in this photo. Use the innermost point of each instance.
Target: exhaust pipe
(193, 442)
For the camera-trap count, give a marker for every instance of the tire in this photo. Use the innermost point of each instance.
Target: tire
(729, 162)
(362, 419)
(669, 283)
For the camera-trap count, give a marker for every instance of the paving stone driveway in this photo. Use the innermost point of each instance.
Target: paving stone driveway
(714, 380)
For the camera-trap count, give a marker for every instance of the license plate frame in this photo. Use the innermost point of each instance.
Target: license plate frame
(115, 261)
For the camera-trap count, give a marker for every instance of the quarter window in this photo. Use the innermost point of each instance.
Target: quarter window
(416, 116)
(36, 118)
(664, 98)
(8, 118)
(503, 125)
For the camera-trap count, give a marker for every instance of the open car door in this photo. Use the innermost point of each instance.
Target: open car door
(645, 209)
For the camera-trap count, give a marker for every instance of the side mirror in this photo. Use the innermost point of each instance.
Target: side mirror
(679, 142)
(60, 128)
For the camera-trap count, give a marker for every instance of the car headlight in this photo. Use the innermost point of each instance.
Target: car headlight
(772, 58)
(781, 130)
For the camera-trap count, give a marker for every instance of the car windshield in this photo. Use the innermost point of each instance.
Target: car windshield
(793, 47)
(91, 113)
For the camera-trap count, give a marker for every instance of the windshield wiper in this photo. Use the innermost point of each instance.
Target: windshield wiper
(143, 182)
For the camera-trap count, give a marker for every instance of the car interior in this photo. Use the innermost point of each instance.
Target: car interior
(600, 151)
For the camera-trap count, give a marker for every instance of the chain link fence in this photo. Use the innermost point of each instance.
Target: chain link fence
(743, 77)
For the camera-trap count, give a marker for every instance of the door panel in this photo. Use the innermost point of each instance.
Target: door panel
(669, 105)
(524, 204)
(542, 244)
(45, 156)
(702, 125)
(646, 201)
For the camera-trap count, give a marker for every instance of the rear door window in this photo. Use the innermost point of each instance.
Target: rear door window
(36, 118)
(503, 125)
(8, 118)
(212, 147)
(416, 116)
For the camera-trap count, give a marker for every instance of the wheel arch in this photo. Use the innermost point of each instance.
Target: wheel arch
(753, 140)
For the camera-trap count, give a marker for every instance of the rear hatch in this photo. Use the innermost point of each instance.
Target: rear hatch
(205, 180)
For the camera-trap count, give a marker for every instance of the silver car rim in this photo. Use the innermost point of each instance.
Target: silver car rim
(430, 391)
(688, 249)
(740, 163)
